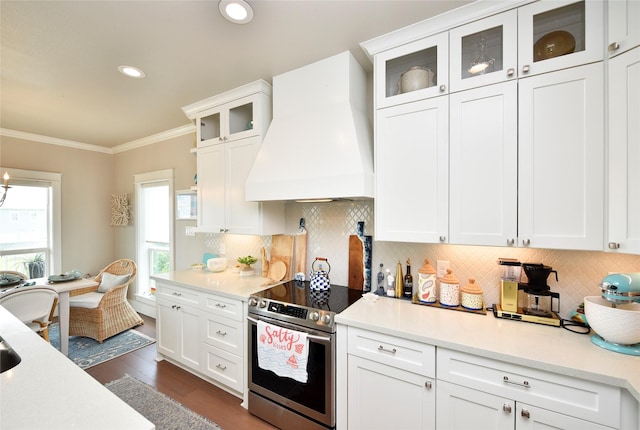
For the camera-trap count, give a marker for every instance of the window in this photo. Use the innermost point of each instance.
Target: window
(30, 224)
(154, 197)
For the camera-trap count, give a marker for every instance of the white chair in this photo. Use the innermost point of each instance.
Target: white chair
(33, 305)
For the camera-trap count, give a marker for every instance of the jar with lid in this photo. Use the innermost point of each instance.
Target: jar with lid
(471, 295)
(449, 289)
(426, 286)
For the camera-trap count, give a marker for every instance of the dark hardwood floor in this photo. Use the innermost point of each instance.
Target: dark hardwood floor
(196, 394)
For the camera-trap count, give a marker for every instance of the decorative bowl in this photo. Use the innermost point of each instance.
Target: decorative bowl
(554, 44)
(619, 325)
(197, 266)
(217, 264)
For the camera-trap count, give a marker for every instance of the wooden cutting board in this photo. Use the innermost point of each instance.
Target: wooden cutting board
(282, 250)
(356, 265)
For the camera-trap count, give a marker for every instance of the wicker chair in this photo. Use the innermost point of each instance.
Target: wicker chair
(100, 315)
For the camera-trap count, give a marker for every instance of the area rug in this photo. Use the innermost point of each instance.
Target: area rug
(87, 352)
(157, 407)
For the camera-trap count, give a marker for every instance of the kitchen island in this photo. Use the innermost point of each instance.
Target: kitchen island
(47, 390)
(543, 349)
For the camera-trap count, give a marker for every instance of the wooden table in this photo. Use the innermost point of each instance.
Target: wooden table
(63, 289)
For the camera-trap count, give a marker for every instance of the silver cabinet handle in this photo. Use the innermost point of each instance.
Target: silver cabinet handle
(524, 384)
(428, 385)
(526, 242)
(177, 294)
(176, 307)
(511, 72)
(525, 413)
(221, 333)
(506, 408)
(220, 305)
(443, 88)
(383, 349)
(614, 245)
(525, 68)
(443, 238)
(510, 242)
(221, 367)
(613, 46)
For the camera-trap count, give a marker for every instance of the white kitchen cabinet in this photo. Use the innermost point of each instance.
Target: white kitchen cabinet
(430, 54)
(484, 52)
(530, 398)
(624, 153)
(561, 153)
(483, 151)
(412, 171)
(230, 129)
(391, 382)
(547, 31)
(178, 327)
(203, 332)
(624, 26)
(484, 411)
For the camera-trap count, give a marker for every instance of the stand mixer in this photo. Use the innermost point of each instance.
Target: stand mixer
(614, 316)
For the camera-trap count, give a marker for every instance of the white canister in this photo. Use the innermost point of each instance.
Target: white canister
(427, 283)
(449, 290)
(471, 295)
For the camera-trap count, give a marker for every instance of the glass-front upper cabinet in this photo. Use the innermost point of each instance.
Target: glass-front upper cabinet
(555, 35)
(411, 72)
(234, 120)
(484, 52)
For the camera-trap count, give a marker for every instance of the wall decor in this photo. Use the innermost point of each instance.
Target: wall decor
(119, 209)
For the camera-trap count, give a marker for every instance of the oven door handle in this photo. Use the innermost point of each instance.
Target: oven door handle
(309, 336)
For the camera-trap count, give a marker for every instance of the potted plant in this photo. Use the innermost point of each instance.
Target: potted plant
(34, 266)
(247, 261)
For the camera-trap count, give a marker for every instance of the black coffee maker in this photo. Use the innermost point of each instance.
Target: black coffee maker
(538, 298)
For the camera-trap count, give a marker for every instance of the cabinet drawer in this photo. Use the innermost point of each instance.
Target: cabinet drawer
(227, 308)
(223, 333)
(580, 398)
(393, 351)
(178, 295)
(223, 367)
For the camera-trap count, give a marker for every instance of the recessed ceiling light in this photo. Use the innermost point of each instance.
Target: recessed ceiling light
(132, 72)
(236, 11)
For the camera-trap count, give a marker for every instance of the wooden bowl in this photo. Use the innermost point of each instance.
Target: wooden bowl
(554, 44)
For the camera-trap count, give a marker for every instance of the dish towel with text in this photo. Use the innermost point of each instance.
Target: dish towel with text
(283, 351)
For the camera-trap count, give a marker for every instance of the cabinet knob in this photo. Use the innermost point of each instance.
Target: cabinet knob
(511, 242)
(511, 72)
(428, 385)
(443, 88)
(614, 245)
(525, 413)
(443, 238)
(526, 242)
(525, 68)
(506, 408)
(613, 46)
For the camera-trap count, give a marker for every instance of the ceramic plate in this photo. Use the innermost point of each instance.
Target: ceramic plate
(62, 278)
(7, 280)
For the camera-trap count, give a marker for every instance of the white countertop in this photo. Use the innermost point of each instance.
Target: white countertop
(225, 283)
(47, 390)
(542, 347)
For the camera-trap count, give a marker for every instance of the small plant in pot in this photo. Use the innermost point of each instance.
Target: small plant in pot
(34, 266)
(246, 269)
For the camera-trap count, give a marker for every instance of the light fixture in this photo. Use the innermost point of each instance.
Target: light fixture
(236, 11)
(482, 62)
(131, 71)
(6, 187)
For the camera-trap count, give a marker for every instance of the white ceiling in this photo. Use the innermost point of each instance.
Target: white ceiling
(59, 59)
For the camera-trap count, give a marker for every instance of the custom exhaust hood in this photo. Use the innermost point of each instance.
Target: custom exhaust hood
(319, 144)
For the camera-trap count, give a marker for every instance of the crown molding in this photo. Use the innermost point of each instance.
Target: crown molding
(149, 140)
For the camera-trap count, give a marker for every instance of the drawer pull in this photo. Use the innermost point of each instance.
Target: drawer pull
(525, 413)
(221, 367)
(176, 294)
(220, 305)
(524, 384)
(382, 348)
(221, 333)
(506, 408)
(176, 307)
